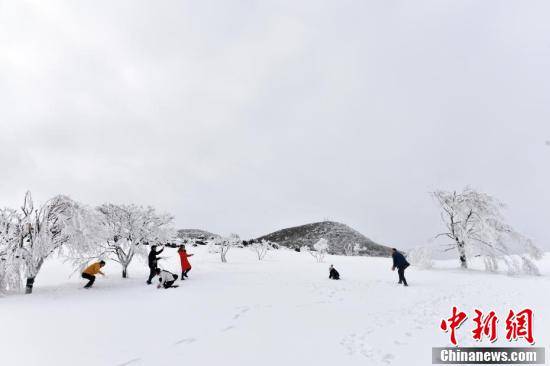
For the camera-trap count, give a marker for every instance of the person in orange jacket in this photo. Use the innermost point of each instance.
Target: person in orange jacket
(90, 272)
(185, 265)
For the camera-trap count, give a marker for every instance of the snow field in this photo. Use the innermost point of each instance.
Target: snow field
(282, 310)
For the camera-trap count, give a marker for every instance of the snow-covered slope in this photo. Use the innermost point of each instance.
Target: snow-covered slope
(281, 311)
(337, 234)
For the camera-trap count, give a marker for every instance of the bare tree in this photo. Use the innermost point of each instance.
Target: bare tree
(475, 226)
(227, 243)
(261, 248)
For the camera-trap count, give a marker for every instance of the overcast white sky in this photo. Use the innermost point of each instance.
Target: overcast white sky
(251, 116)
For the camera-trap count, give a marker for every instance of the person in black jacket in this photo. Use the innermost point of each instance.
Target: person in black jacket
(153, 262)
(401, 264)
(333, 273)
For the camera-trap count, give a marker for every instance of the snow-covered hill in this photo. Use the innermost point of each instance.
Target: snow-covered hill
(195, 234)
(280, 311)
(337, 234)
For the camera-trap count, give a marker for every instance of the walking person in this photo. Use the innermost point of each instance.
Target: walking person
(185, 265)
(399, 262)
(166, 278)
(153, 262)
(333, 273)
(91, 271)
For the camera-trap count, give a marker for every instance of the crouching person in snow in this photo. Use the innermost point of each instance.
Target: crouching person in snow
(166, 279)
(185, 265)
(90, 272)
(333, 273)
(401, 264)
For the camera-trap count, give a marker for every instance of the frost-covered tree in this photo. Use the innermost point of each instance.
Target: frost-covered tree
(319, 251)
(420, 257)
(10, 268)
(129, 229)
(59, 225)
(352, 248)
(348, 248)
(261, 248)
(476, 227)
(227, 243)
(213, 245)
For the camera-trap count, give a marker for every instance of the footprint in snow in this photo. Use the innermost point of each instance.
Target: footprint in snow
(185, 340)
(129, 362)
(242, 311)
(349, 344)
(388, 358)
(228, 328)
(366, 351)
(354, 343)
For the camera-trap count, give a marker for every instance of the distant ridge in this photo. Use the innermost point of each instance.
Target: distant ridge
(337, 234)
(196, 234)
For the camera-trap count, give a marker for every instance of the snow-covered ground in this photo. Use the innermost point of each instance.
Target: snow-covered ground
(281, 311)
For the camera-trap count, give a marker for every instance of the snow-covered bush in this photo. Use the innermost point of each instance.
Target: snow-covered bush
(528, 267)
(11, 274)
(319, 251)
(420, 257)
(476, 227)
(491, 264)
(348, 249)
(351, 248)
(260, 248)
(213, 246)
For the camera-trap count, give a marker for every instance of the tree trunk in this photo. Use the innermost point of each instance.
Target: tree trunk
(124, 261)
(462, 255)
(30, 280)
(30, 284)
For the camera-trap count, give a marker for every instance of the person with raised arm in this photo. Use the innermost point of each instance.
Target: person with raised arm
(152, 260)
(185, 265)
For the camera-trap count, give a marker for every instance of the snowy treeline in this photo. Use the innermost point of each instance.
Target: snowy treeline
(475, 227)
(76, 232)
(473, 221)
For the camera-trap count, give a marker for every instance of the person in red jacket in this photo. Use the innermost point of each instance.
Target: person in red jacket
(185, 265)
